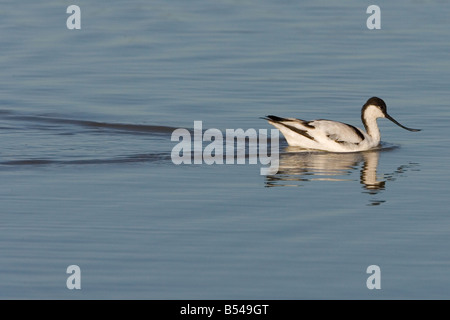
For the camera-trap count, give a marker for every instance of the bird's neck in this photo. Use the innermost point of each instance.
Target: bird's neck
(372, 129)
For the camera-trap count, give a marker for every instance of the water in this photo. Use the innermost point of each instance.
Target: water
(87, 178)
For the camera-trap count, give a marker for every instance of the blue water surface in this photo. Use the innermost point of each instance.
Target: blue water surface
(87, 178)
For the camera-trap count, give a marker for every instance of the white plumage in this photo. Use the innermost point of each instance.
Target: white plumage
(336, 136)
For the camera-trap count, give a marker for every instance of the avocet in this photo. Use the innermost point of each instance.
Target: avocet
(334, 136)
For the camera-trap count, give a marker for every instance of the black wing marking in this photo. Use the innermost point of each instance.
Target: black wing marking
(299, 131)
(340, 141)
(279, 119)
(296, 130)
(358, 133)
(276, 119)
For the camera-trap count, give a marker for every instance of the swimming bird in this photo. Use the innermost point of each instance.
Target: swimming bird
(334, 136)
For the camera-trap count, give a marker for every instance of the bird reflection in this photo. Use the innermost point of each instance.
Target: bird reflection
(297, 166)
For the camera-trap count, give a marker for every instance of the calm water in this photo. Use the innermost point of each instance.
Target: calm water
(86, 118)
